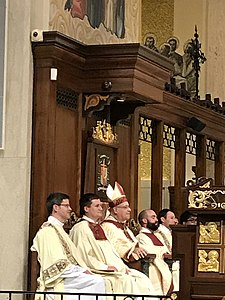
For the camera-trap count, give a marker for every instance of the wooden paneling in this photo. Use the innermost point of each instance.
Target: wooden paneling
(124, 161)
(131, 68)
(67, 150)
(56, 148)
(180, 163)
(212, 289)
(43, 145)
(184, 250)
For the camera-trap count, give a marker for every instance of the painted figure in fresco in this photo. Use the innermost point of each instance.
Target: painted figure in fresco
(188, 71)
(164, 49)
(174, 56)
(77, 8)
(115, 16)
(150, 41)
(110, 13)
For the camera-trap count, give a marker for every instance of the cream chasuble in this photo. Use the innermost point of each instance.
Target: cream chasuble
(59, 269)
(159, 272)
(99, 253)
(165, 236)
(121, 237)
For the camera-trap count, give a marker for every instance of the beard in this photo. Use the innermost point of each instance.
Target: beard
(152, 226)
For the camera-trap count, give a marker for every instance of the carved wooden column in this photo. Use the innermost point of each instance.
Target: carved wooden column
(219, 164)
(157, 166)
(200, 156)
(180, 154)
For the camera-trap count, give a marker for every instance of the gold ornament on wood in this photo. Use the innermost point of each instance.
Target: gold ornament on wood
(209, 233)
(173, 296)
(208, 261)
(205, 199)
(104, 133)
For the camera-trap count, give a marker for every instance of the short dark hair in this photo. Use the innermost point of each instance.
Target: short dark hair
(142, 215)
(162, 214)
(186, 215)
(55, 198)
(86, 200)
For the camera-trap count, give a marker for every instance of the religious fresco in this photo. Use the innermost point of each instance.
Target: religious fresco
(114, 22)
(109, 13)
(186, 65)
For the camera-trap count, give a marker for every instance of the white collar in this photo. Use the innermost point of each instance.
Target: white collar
(88, 219)
(110, 217)
(144, 229)
(54, 221)
(165, 229)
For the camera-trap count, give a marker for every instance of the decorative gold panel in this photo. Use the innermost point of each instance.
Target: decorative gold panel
(208, 260)
(145, 158)
(167, 163)
(206, 199)
(209, 233)
(145, 161)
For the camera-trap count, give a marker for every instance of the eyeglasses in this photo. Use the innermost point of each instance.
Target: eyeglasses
(66, 205)
(192, 219)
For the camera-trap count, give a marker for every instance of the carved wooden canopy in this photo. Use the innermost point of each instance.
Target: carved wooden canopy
(131, 69)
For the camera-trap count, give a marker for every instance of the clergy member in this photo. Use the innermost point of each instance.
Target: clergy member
(115, 226)
(159, 272)
(166, 219)
(99, 254)
(61, 270)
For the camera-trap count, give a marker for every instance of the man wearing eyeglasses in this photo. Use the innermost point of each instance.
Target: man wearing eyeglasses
(188, 218)
(116, 228)
(61, 270)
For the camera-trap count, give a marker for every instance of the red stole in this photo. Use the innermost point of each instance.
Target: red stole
(154, 239)
(98, 231)
(121, 226)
